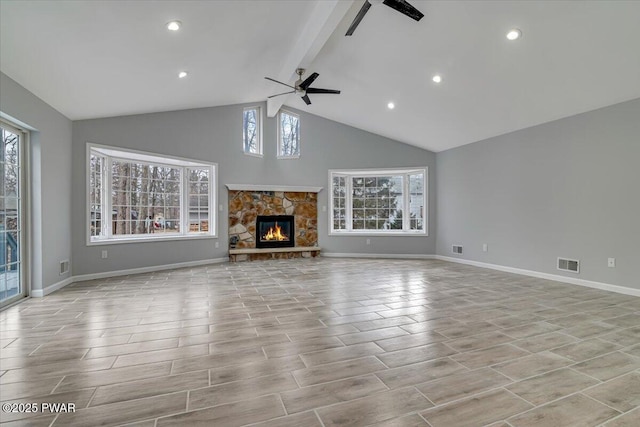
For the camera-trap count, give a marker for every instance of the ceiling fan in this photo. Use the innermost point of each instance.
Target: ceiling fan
(301, 88)
(401, 6)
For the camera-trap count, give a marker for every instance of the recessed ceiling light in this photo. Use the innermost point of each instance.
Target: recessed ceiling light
(514, 34)
(174, 25)
(437, 78)
(391, 106)
(182, 74)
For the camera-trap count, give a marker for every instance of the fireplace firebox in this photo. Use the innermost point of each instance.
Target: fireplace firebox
(275, 231)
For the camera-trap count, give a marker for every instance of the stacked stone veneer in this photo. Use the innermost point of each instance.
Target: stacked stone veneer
(245, 206)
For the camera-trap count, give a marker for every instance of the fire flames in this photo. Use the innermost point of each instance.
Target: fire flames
(275, 233)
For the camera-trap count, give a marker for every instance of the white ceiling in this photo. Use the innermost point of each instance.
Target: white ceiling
(92, 59)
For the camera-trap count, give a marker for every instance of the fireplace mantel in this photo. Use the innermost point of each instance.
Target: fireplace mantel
(288, 188)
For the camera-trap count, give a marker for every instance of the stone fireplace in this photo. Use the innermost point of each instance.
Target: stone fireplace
(255, 209)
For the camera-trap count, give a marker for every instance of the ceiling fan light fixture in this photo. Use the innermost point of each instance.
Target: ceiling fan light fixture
(174, 25)
(391, 105)
(514, 34)
(436, 78)
(182, 74)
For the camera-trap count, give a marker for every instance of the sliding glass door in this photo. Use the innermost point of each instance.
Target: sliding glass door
(12, 244)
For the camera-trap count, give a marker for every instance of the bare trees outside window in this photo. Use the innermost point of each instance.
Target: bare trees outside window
(251, 131)
(147, 197)
(288, 135)
(378, 202)
(11, 210)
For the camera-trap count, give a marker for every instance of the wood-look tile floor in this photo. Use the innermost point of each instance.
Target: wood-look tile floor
(324, 342)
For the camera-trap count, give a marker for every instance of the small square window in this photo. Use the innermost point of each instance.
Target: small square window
(252, 131)
(288, 135)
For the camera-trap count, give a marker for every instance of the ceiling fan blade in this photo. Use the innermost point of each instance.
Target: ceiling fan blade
(363, 11)
(273, 80)
(306, 99)
(283, 93)
(405, 8)
(307, 82)
(318, 90)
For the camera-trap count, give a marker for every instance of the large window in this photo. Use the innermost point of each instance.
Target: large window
(252, 131)
(136, 196)
(378, 201)
(288, 135)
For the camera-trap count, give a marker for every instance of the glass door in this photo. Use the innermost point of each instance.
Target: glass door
(12, 283)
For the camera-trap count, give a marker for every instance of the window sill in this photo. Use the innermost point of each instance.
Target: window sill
(253, 154)
(149, 239)
(288, 157)
(373, 233)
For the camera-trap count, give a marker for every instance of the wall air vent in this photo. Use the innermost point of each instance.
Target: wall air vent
(456, 249)
(570, 265)
(64, 267)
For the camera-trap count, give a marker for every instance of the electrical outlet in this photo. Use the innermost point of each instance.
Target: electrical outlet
(217, 244)
(105, 254)
(485, 247)
(324, 208)
(221, 207)
(368, 241)
(611, 263)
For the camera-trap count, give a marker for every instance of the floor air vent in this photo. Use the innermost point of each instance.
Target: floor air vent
(456, 249)
(64, 267)
(571, 265)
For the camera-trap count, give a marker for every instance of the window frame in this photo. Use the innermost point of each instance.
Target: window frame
(279, 154)
(129, 155)
(260, 152)
(349, 174)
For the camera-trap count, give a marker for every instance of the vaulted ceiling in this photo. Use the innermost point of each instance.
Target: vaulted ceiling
(91, 59)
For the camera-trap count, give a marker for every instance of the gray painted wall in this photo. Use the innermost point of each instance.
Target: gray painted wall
(568, 188)
(50, 177)
(214, 134)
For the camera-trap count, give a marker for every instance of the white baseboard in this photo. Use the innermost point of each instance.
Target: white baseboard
(38, 293)
(555, 277)
(377, 256)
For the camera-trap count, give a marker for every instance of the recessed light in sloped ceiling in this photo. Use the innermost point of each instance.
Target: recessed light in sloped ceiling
(173, 25)
(514, 34)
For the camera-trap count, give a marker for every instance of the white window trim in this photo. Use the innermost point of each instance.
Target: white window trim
(279, 155)
(349, 173)
(164, 160)
(259, 124)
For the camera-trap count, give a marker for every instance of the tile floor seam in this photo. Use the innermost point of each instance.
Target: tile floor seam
(575, 393)
(93, 395)
(603, 403)
(53, 421)
(315, 411)
(533, 405)
(425, 420)
(617, 416)
(284, 408)
(572, 367)
(513, 380)
(472, 396)
(424, 395)
(58, 384)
